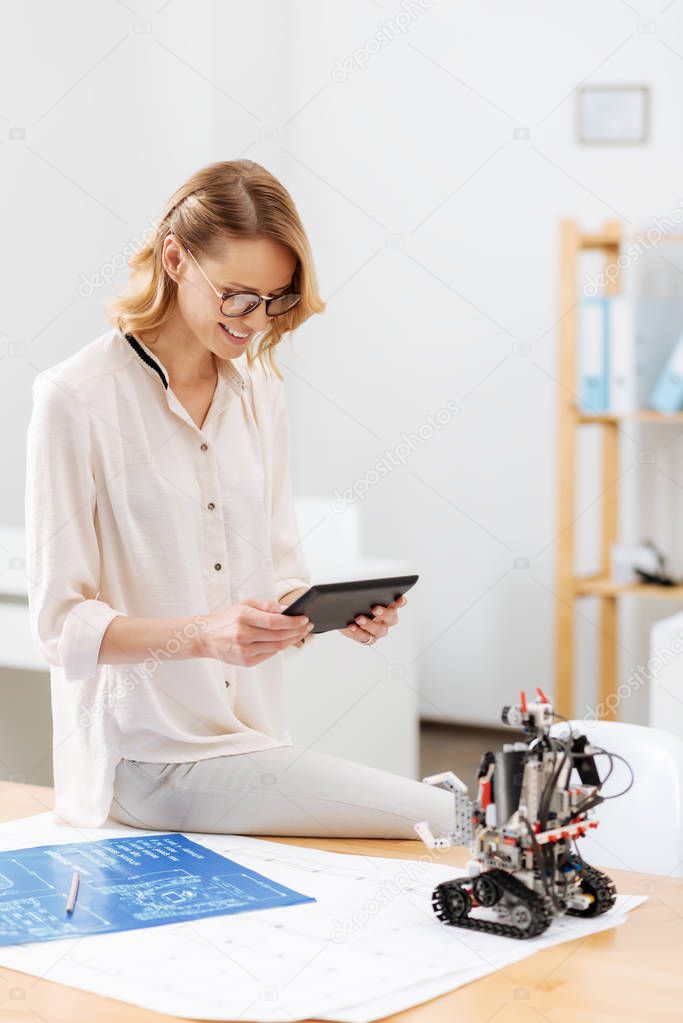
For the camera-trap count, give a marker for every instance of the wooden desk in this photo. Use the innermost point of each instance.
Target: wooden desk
(630, 973)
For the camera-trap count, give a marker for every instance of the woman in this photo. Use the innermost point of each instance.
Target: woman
(164, 545)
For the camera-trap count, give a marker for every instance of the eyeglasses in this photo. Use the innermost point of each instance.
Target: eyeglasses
(239, 303)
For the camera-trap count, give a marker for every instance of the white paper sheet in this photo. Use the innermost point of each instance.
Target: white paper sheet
(369, 946)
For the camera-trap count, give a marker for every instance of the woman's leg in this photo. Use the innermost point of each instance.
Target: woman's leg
(287, 790)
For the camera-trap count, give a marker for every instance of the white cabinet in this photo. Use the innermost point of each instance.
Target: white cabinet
(342, 699)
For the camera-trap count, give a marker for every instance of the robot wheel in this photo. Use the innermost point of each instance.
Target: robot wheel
(530, 914)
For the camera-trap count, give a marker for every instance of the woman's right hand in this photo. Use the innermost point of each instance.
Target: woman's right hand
(250, 632)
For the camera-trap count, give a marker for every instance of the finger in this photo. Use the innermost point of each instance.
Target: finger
(264, 605)
(355, 632)
(258, 651)
(252, 634)
(387, 615)
(266, 614)
(304, 640)
(374, 628)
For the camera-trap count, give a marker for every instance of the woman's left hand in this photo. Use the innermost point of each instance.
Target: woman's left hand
(368, 630)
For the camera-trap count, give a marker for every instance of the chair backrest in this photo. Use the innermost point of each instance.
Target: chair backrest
(665, 675)
(642, 830)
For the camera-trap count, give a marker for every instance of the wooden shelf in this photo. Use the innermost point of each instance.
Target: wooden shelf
(597, 586)
(609, 238)
(570, 589)
(640, 416)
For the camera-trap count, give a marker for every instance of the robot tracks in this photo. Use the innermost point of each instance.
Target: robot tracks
(529, 913)
(601, 887)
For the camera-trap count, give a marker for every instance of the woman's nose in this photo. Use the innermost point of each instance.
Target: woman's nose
(257, 319)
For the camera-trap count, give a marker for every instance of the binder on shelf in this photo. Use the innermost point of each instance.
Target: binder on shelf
(593, 354)
(642, 333)
(667, 395)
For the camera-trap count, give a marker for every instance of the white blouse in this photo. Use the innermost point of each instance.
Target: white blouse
(132, 509)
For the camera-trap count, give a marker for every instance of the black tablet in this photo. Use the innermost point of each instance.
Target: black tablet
(336, 605)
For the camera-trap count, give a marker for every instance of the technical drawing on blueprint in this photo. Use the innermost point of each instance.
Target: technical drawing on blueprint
(125, 883)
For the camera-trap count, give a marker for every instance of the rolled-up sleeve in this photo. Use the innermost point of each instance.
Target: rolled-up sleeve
(63, 559)
(291, 569)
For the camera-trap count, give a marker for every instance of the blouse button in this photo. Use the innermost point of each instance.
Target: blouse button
(227, 683)
(211, 506)
(204, 447)
(218, 566)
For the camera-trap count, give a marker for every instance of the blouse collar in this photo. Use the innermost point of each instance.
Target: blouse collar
(228, 374)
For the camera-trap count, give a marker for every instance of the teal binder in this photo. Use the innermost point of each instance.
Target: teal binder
(593, 384)
(667, 395)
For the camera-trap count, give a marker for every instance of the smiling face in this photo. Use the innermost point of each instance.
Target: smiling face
(260, 265)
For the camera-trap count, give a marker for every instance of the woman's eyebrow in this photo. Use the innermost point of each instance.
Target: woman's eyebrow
(248, 287)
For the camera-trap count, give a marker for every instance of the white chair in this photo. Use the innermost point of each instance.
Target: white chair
(664, 677)
(642, 830)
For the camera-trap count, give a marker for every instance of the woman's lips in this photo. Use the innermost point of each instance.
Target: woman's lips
(234, 340)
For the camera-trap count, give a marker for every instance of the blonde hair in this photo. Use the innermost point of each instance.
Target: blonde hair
(230, 199)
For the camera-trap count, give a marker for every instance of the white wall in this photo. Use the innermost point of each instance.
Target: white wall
(421, 144)
(435, 235)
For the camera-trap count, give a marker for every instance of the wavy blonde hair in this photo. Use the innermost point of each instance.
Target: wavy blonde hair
(230, 199)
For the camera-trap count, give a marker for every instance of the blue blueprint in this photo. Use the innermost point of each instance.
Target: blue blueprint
(125, 883)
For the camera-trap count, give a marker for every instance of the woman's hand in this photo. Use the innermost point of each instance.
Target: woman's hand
(368, 630)
(289, 598)
(249, 632)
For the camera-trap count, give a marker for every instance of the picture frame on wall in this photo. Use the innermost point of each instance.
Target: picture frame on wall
(613, 114)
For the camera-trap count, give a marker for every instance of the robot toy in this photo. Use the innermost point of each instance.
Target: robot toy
(522, 830)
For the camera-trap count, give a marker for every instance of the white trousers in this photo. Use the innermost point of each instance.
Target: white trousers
(285, 791)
